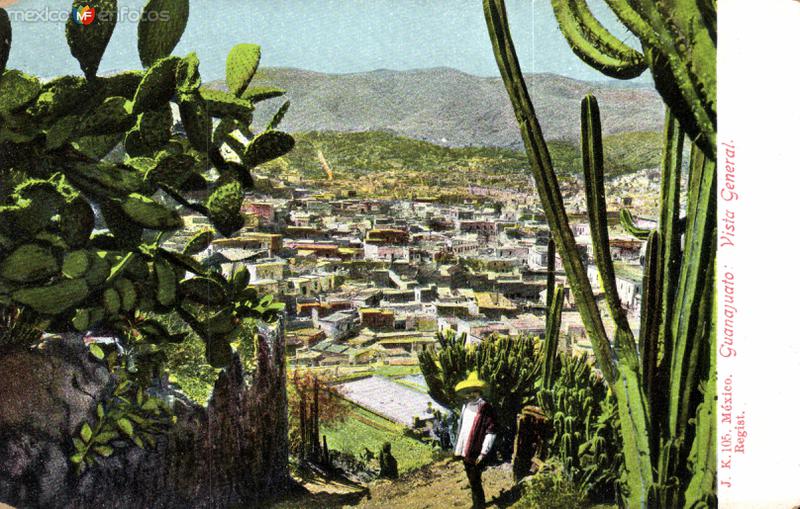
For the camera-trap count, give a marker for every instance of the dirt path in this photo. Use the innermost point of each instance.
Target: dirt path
(439, 485)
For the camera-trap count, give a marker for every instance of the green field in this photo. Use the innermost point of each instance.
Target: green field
(366, 429)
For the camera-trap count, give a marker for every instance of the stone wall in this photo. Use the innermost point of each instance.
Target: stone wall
(232, 452)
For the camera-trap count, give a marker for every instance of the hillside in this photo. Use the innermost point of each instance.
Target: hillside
(406, 165)
(449, 107)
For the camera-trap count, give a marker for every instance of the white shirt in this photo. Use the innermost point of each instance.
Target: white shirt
(468, 414)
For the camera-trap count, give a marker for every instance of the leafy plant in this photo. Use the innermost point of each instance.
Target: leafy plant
(83, 152)
(17, 328)
(128, 416)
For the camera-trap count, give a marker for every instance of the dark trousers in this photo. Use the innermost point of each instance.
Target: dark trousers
(474, 476)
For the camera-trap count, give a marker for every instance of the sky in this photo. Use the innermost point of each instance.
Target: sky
(333, 36)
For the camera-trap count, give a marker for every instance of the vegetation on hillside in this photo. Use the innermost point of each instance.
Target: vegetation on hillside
(400, 166)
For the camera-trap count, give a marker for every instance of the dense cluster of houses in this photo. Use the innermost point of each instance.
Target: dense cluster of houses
(369, 281)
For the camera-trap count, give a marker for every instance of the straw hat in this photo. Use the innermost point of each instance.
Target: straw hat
(472, 383)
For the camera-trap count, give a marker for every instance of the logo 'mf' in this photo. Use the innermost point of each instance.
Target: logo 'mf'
(83, 15)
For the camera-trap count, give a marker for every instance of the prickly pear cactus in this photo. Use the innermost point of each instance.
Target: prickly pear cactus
(57, 186)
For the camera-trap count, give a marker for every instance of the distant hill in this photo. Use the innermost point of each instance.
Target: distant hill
(382, 164)
(448, 107)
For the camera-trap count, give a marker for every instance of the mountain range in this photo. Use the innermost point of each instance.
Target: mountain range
(449, 107)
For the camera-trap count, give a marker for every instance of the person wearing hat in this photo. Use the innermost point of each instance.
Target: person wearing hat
(476, 434)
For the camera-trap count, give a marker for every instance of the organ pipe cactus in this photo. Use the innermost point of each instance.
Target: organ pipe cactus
(585, 434)
(551, 337)
(658, 385)
(60, 180)
(511, 366)
(678, 43)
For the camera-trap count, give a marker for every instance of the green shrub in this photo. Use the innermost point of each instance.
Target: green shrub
(549, 488)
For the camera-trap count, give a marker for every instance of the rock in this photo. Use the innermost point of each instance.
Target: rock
(234, 452)
(47, 393)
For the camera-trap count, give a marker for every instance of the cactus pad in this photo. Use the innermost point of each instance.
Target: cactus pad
(241, 66)
(53, 299)
(17, 89)
(199, 242)
(267, 146)
(159, 36)
(150, 214)
(87, 43)
(157, 86)
(29, 263)
(203, 290)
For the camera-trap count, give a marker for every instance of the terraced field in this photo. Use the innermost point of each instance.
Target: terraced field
(390, 399)
(366, 430)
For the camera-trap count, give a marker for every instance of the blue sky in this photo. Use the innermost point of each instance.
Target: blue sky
(337, 36)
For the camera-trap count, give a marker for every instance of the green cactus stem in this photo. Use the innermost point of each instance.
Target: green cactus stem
(648, 329)
(633, 416)
(692, 301)
(5, 39)
(627, 222)
(161, 27)
(679, 45)
(703, 455)
(551, 338)
(595, 45)
(592, 152)
(551, 270)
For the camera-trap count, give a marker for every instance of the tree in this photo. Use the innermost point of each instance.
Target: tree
(313, 401)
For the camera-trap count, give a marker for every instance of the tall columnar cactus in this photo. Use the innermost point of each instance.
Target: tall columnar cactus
(666, 455)
(678, 42)
(61, 173)
(551, 338)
